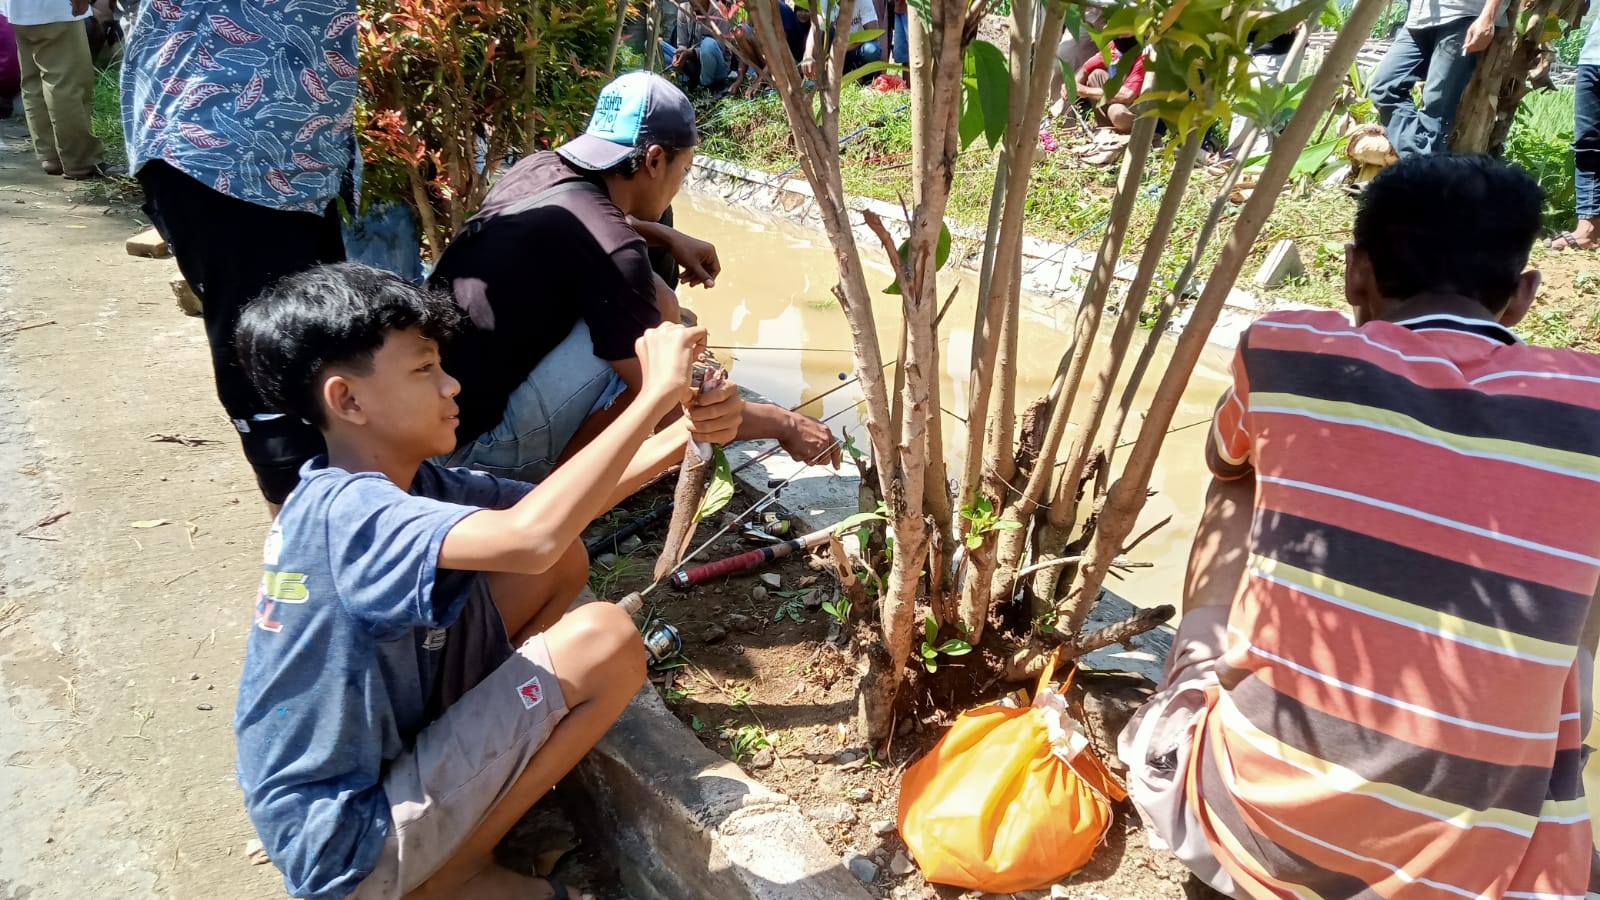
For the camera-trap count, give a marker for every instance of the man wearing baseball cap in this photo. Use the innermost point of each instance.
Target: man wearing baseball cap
(554, 279)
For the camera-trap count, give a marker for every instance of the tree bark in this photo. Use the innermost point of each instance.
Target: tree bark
(1127, 495)
(1069, 373)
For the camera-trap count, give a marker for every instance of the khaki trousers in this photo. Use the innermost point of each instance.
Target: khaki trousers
(57, 93)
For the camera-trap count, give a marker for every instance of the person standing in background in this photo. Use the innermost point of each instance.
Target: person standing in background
(57, 84)
(1586, 149)
(239, 122)
(1439, 47)
(902, 36)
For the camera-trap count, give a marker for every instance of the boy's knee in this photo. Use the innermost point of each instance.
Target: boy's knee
(572, 570)
(610, 640)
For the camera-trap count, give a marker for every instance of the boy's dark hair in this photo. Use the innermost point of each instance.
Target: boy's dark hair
(630, 165)
(333, 315)
(1449, 224)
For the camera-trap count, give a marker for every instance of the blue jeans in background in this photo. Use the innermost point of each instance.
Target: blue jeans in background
(1586, 142)
(1436, 57)
(856, 57)
(902, 39)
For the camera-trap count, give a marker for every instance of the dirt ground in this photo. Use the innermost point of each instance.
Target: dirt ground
(128, 565)
(767, 678)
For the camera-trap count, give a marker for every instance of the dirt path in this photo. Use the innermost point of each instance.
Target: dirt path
(119, 646)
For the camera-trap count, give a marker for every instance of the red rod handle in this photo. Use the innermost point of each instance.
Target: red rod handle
(700, 574)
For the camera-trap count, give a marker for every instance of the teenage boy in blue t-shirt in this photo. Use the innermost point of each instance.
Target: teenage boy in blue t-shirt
(414, 680)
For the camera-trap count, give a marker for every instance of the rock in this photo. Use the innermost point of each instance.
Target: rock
(772, 579)
(758, 594)
(609, 560)
(713, 634)
(194, 676)
(846, 756)
(1282, 264)
(860, 795)
(883, 827)
(188, 300)
(838, 814)
(860, 867)
(1060, 892)
(148, 243)
(630, 544)
(205, 707)
(742, 622)
(256, 854)
(901, 865)
(763, 759)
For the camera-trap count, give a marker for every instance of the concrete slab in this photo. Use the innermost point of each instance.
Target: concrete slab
(685, 824)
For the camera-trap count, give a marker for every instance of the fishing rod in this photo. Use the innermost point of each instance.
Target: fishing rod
(610, 543)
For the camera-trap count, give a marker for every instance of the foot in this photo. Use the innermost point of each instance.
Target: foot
(496, 882)
(51, 166)
(1581, 238)
(98, 170)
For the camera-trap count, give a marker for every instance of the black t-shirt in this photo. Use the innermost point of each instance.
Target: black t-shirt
(526, 278)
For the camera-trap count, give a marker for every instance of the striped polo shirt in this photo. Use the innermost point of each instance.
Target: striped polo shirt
(1398, 713)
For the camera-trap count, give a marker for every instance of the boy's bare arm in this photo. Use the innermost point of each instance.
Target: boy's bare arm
(532, 535)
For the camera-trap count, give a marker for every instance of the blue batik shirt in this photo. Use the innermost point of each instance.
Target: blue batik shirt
(255, 98)
(342, 659)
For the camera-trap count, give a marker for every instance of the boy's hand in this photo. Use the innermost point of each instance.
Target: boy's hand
(714, 416)
(666, 359)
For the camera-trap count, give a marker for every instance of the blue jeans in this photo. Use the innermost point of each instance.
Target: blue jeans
(902, 39)
(867, 52)
(1435, 57)
(1586, 142)
(564, 389)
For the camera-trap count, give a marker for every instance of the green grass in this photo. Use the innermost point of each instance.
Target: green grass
(1540, 141)
(106, 115)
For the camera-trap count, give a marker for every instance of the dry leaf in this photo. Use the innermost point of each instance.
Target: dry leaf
(149, 523)
(256, 854)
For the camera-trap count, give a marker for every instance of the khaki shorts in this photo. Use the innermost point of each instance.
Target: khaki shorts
(462, 765)
(1160, 738)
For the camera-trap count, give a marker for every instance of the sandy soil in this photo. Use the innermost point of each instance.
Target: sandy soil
(120, 640)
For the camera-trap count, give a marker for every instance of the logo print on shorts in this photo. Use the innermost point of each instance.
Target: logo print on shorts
(532, 692)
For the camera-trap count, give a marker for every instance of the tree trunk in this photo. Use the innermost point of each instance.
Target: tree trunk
(1127, 495)
(1069, 374)
(1064, 504)
(994, 381)
(616, 37)
(1501, 79)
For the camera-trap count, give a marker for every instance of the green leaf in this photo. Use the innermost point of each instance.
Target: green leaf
(994, 88)
(1005, 524)
(929, 652)
(970, 126)
(856, 74)
(974, 540)
(941, 255)
(857, 520)
(719, 491)
(695, 723)
(931, 629)
(865, 34)
(955, 647)
(1073, 23)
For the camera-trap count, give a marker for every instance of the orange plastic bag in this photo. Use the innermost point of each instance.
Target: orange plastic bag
(995, 807)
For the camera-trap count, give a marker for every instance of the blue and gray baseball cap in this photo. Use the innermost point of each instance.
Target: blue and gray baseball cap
(636, 110)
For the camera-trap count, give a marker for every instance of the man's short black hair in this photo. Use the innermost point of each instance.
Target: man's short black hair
(1451, 225)
(630, 165)
(333, 315)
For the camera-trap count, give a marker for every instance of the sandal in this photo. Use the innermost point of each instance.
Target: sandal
(1568, 241)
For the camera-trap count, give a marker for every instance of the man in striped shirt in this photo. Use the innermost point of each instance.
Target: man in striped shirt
(1380, 687)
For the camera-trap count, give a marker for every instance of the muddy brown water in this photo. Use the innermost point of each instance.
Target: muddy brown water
(773, 304)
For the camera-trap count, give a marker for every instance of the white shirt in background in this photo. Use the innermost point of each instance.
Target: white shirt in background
(38, 12)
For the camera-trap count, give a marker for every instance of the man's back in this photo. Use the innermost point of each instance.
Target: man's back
(1400, 701)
